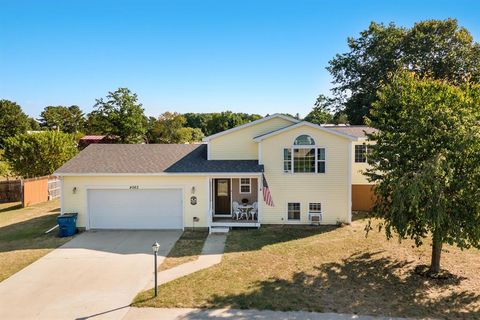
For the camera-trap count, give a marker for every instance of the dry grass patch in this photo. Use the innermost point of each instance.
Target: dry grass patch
(22, 238)
(327, 269)
(186, 249)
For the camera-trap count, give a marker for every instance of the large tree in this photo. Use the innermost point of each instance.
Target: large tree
(40, 153)
(12, 120)
(211, 123)
(440, 49)
(198, 120)
(5, 171)
(120, 115)
(170, 127)
(426, 162)
(66, 119)
(321, 112)
(226, 120)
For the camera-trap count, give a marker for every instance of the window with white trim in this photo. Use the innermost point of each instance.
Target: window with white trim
(245, 185)
(293, 211)
(287, 160)
(315, 208)
(304, 157)
(361, 151)
(321, 160)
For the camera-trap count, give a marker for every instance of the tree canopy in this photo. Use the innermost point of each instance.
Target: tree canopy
(211, 123)
(171, 128)
(121, 115)
(426, 162)
(66, 119)
(321, 112)
(40, 153)
(439, 49)
(12, 120)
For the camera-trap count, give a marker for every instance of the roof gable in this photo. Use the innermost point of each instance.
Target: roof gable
(309, 124)
(276, 115)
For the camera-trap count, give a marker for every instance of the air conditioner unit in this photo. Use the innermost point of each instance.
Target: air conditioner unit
(315, 218)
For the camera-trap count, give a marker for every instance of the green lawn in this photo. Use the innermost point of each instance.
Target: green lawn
(186, 249)
(22, 238)
(327, 269)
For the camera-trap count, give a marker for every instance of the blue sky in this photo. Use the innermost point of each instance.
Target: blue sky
(190, 56)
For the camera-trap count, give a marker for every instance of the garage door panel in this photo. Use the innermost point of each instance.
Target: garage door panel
(135, 209)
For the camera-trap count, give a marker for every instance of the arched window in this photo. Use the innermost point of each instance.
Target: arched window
(304, 156)
(304, 140)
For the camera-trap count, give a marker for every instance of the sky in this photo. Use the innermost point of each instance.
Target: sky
(190, 56)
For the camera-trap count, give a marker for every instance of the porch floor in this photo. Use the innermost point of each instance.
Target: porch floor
(229, 222)
(223, 219)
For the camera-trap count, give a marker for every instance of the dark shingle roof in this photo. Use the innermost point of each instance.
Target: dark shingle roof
(151, 158)
(353, 130)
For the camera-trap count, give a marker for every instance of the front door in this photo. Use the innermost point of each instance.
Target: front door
(222, 196)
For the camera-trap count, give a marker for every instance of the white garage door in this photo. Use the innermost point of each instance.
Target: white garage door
(135, 209)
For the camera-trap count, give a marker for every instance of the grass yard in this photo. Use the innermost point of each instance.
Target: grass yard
(186, 249)
(22, 238)
(327, 269)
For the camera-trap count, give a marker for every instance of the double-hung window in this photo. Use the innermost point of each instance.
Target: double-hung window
(315, 208)
(287, 160)
(321, 162)
(245, 185)
(361, 151)
(293, 211)
(304, 157)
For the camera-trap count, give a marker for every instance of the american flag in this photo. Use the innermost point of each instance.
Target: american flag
(267, 197)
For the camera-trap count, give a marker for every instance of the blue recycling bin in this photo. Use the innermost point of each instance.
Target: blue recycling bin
(67, 224)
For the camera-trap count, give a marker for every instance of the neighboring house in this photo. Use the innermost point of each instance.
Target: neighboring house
(87, 140)
(311, 171)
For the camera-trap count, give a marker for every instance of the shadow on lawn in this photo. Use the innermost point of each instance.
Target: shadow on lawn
(254, 239)
(10, 206)
(364, 283)
(28, 234)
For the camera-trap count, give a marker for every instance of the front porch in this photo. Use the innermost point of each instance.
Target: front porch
(229, 222)
(234, 202)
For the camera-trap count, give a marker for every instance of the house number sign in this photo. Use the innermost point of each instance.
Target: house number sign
(134, 187)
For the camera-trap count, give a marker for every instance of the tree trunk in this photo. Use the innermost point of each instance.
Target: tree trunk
(436, 253)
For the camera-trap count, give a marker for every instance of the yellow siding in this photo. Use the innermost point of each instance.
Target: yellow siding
(78, 202)
(358, 168)
(331, 188)
(239, 145)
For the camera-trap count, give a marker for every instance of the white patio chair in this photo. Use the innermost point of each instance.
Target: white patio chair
(254, 211)
(236, 210)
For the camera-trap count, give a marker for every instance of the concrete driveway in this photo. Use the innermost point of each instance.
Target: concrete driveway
(96, 275)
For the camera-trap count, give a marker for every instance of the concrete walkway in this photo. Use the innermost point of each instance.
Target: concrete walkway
(212, 253)
(184, 314)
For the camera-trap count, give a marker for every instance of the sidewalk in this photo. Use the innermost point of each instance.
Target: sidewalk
(212, 253)
(199, 314)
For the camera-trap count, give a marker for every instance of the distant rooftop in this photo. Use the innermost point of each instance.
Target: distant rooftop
(92, 137)
(358, 131)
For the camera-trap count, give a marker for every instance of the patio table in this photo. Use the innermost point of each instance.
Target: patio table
(245, 208)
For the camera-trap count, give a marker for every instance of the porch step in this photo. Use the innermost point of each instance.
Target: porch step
(219, 230)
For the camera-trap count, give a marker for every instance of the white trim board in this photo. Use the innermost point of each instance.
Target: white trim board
(161, 174)
(276, 115)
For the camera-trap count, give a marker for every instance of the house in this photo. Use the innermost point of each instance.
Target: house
(313, 173)
(87, 140)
